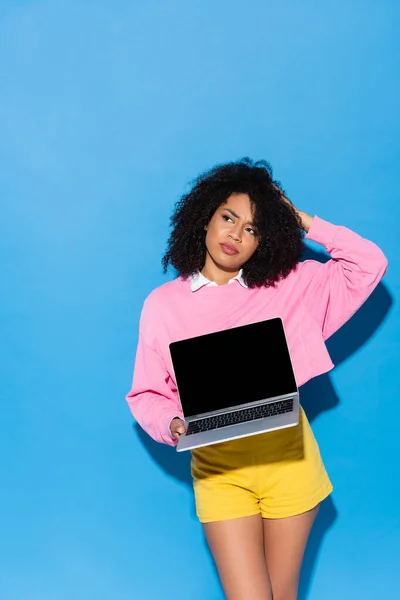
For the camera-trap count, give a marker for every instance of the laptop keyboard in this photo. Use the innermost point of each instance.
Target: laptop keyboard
(240, 416)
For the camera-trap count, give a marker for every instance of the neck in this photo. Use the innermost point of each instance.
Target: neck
(217, 275)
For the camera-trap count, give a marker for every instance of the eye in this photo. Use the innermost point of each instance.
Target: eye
(252, 231)
(227, 218)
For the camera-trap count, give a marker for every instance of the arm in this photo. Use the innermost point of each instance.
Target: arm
(153, 399)
(335, 290)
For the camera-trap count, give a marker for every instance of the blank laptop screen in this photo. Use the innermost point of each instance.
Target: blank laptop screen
(232, 367)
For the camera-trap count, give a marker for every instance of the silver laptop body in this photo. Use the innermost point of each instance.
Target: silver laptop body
(235, 383)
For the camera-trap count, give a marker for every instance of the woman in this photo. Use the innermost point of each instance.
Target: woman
(236, 243)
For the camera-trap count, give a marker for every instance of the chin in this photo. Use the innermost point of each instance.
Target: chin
(229, 265)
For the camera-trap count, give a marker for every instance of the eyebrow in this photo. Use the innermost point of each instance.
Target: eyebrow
(237, 216)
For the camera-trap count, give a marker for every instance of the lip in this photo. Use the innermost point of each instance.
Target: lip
(229, 249)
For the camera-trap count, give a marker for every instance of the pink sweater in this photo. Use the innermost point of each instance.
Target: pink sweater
(313, 302)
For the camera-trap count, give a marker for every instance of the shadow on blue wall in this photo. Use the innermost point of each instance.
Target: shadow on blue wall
(317, 396)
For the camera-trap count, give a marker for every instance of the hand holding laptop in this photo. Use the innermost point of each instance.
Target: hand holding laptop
(177, 428)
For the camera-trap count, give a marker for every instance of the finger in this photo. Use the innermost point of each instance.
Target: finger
(180, 430)
(177, 434)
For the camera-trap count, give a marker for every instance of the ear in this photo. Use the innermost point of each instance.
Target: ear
(205, 227)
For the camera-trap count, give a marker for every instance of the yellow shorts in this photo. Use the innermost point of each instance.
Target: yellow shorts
(277, 474)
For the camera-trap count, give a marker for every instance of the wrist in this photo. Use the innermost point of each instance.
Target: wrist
(306, 220)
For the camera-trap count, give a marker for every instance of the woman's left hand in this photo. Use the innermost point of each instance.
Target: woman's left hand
(304, 218)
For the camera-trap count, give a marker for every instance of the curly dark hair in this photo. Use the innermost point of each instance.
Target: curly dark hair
(279, 228)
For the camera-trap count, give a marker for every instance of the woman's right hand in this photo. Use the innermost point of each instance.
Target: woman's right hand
(177, 427)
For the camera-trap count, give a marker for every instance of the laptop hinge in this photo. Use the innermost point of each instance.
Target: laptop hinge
(232, 409)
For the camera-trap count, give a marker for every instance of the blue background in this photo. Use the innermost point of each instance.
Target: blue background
(107, 111)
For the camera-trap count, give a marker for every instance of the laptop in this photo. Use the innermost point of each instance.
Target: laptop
(235, 383)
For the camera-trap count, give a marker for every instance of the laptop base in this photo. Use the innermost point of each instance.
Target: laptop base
(240, 430)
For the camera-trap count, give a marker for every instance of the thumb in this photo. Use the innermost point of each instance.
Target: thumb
(177, 427)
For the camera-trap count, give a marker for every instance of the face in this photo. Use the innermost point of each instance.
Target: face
(232, 237)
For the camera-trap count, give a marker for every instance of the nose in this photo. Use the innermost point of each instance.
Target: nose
(236, 234)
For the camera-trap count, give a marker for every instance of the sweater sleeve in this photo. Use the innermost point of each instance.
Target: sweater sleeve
(153, 399)
(335, 290)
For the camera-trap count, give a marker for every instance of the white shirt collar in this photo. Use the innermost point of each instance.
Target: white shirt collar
(198, 281)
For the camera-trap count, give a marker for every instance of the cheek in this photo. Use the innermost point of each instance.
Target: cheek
(213, 229)
(210, 236)
(252, 247)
